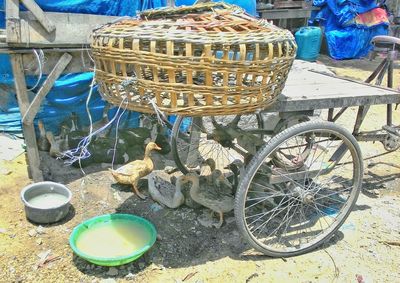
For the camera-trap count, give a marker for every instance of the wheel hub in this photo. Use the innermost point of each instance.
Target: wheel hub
(222, 137)
(304, 195)
(392, 142)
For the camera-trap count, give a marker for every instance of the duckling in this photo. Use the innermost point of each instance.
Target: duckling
(133, 171)
(57, 146)
(43, 143)
(75, 134)
(102, 122)
(185, 189)
(216, 179)
(211, 168)
(164, 192)
(237, 168)
(217, 202)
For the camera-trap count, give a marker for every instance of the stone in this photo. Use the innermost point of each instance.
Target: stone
(4, 171)
(169, 169)
(206, 222)
(32, 233)
(40, 230)
(130, 276)
(39, 241)
(117, 196)
(112, 271)
(108, 280)
(141, 265)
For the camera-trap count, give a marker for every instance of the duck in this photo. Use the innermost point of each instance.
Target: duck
(165, 192)
(57, 146)
(216, 178)
(43, 143)
(102, 149)
(185, 188)
(75, 134)
(131, 173)
(163, 141)
(237, 168)
(102, 122)
(217, 202)
(134, 136)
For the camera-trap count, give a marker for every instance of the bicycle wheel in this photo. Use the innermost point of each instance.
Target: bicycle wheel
(222, 138)
(282, 212)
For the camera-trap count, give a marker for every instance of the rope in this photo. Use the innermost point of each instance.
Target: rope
(161, 117)
(81, 151)
(116, 135)
(40, 61)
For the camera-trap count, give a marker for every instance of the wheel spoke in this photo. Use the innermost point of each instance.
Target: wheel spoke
(314, 191)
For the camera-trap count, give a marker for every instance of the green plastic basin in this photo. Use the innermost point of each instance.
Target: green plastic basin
(109, 218)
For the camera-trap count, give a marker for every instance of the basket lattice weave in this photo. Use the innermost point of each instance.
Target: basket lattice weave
(207, 59)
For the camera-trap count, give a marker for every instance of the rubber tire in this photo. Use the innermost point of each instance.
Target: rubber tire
(259, 158)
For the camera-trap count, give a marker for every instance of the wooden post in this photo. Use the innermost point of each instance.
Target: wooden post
(58, 69)
(171, 3)
(39, 15)
(13, 25)
(28, 130)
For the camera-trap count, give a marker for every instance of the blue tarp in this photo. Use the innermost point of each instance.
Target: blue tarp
(345, 38)
(70, 91)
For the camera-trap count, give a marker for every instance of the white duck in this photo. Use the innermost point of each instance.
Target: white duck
(165, 192)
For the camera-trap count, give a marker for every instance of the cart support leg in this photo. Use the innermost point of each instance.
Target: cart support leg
(362, 112)
(389, 109)
(28, 130)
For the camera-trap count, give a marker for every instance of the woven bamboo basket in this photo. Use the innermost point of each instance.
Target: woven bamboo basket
(207, 59)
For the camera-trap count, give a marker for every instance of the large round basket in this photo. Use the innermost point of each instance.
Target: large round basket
(206, 59)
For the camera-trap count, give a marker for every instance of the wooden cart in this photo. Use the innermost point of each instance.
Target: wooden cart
(300, 180)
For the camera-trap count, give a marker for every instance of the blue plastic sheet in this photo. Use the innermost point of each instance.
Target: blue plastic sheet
(71, 90)
(345, 38)
(248, 5)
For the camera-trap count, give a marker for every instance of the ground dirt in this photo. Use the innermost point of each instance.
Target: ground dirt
(367, 245)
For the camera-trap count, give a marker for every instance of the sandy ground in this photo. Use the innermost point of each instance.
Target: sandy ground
(366, 245)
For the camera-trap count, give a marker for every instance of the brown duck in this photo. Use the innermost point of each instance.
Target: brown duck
(130, 173)
(214, 200)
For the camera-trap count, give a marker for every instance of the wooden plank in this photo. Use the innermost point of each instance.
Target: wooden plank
(331, 92)
(40, 15)
(30, 114)
(80, 61)
(28, 130)
(13, 27)
(276, 14)
(71, 30)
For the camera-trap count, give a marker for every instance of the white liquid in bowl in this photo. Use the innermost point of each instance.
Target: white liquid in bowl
(114, 239)
(48, 200)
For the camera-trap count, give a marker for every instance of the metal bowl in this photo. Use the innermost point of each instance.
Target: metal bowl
(45, 214)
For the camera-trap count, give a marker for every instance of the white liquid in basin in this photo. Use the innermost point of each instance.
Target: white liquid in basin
(115, 239)
(48, 200)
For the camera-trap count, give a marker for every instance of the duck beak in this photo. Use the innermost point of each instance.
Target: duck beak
(157, 147)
